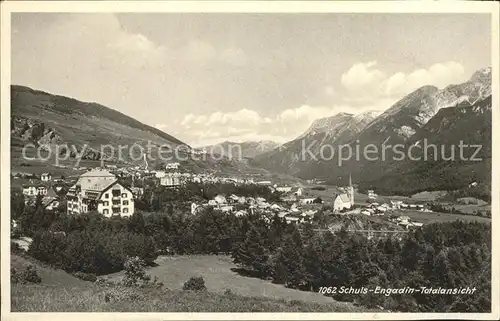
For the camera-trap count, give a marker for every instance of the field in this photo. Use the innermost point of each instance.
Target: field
(61, 292)
(328, 194)
(433, 217)
(173, 271)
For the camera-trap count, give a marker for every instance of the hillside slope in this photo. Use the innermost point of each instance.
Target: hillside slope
(294, 156)
(93, 130)
(46, 120)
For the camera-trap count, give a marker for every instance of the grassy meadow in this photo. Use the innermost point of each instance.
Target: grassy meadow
(62, 292)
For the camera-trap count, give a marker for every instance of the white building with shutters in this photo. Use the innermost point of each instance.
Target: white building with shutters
(99, 190)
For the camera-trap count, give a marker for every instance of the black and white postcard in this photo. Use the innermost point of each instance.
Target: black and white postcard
(334, 160)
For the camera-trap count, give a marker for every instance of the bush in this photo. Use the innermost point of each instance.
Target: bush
(28, 275)
(135, 272)
(14, 276)
(119, 294)
(195, 284)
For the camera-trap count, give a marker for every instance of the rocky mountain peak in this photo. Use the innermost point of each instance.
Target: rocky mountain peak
(483, 76)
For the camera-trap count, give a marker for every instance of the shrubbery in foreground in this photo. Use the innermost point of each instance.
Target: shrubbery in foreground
(195, 284)
(28, 275)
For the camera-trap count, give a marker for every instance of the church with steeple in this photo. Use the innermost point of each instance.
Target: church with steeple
(342, 201)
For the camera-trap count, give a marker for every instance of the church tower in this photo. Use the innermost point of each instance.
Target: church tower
(351, 191)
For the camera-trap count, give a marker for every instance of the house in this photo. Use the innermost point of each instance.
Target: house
(366, 212)
(305, 201)
(403, 219)
(291, 219)
(220, 199)
(34, 190)
(396, 205)
(234, 198)
(260, 200)
(415, 224)
(159, 174)
(51, 200)
(250, 200)
(172, 166)
(226, 208)
(194, 207)
(282, 214)
(50, 204)
(371, 194)
(212, 203)
(283, 189)
(171, 180)
(240, 213)
(99, 190)
(276, 207)
(341, 201)
(309, 213)
(297, 191)
(45, 177)
(30, 190)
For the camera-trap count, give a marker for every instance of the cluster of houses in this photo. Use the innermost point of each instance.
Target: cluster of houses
(241, 205)
(99, 190)
(50, 195)
(295, 206)
(375, 208)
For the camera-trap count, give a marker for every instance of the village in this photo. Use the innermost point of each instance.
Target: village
(102, 189)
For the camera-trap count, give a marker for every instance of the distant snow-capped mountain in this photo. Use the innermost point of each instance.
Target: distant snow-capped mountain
(240, 150)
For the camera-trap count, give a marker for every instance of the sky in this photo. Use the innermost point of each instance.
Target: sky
(211, 77)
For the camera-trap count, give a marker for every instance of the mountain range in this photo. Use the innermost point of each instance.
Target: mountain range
(444, 117)
(241, 150)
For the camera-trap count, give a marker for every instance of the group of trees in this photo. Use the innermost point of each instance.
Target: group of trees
(447, 255)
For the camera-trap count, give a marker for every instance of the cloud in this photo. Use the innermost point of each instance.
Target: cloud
(362, 76)
(305, 113)
(364, 81)
(439, 75)
(245, 117)
(249, 125)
